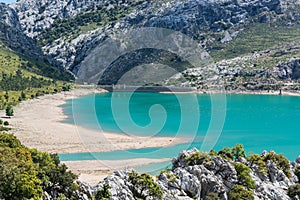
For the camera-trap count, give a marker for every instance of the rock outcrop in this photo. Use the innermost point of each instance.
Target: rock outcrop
(207, 175)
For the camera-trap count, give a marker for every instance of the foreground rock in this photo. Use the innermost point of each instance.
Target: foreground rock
(198, 175)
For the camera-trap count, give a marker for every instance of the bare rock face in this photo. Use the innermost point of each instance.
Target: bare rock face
(289, 70)
(192, 17)
(12, 35)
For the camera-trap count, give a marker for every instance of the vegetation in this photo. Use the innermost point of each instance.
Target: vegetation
(233, 153)
(239, 192)
(255, 37)
(82, 23)
(294, 191)
(280, 161)
(104, 193)
(244, 177)
(21, 79)
(9, 111)
(143, 185)
(212, 196)
(25, 173)
(198, 158)
(6, 123)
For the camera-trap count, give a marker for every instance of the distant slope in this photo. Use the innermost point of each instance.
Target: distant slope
(68, 30)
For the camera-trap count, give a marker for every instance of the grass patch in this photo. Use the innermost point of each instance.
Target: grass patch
(255, 37)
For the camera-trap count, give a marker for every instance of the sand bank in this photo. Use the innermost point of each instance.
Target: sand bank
(93, 171)
(37, 123)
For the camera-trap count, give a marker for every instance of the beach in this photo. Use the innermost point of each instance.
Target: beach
(37, 123)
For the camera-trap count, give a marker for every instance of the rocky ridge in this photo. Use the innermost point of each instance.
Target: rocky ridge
(197, 175)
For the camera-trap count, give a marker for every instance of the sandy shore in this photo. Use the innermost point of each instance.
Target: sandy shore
(37, 123)
(93, 171)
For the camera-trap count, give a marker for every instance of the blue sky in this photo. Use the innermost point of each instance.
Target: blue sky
(8, 1)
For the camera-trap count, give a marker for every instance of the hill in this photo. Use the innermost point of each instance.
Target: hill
(237, 35)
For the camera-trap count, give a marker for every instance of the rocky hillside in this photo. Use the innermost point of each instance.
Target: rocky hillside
(228, 174)
(248, 40)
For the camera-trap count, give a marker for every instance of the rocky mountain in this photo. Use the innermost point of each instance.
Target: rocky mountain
(12, 34)
(199, 175)
(236, 34)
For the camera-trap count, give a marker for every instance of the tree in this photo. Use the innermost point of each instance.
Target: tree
(18, 175)
(238, 151)
(9, 111)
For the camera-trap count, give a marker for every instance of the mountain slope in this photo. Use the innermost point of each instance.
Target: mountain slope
(68, 31)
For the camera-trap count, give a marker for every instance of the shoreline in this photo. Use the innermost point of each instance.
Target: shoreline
(38, 124)
(245, 92)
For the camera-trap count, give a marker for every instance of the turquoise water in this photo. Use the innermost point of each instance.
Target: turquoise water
(260, 122)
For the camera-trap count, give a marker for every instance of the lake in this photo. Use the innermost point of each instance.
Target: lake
(259, 122)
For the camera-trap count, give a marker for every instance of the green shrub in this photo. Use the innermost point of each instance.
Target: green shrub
(297, 173)
(280, 161)
(198, 158)
(226, 153)
(244, 177)
(143, 185)
(212, 196)
(9, 140)
(294, 191)
(104, 193)
(238, 151)
(258, 160)
(2, 128)
(9, 111)
(18, 175)
(239, 192)
(25, 173)
(6, 123)
(1, 121)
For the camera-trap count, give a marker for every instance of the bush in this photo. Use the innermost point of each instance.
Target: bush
(294, 191)
(6, 123)
(9, 111)
(239, 192)
(212, 196)
(297, 173)
(18, 175)
(1, 121)
(198, 158)
(2, 128)
(226, 153)
(103, 193)
(9, 140)
(25, 172)
(280, 161)
(143, 185)
(244, 177)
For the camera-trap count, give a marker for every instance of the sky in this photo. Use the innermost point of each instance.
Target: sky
(8, 1)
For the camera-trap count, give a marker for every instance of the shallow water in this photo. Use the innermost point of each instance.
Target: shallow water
(259, 122)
